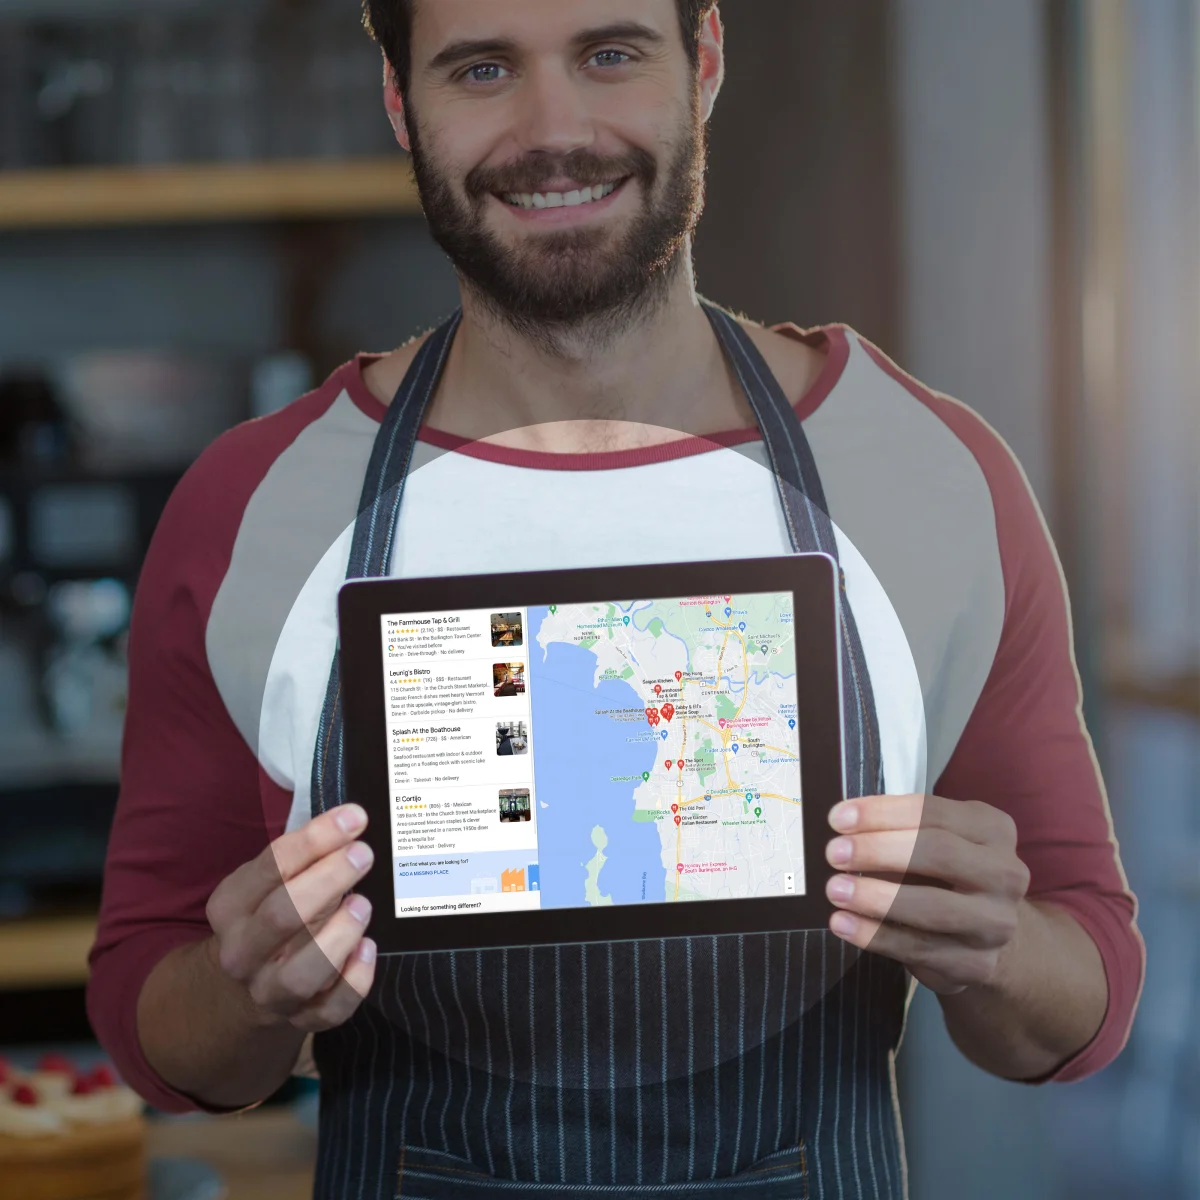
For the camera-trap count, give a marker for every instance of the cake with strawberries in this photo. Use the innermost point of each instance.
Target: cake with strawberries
(67, 1134)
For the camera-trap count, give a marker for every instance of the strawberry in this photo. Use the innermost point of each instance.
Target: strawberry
(82, 1086)
(57, 1063)
(102, 1077)
(24, 1093)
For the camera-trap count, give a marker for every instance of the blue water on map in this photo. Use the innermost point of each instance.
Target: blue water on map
(576, 756)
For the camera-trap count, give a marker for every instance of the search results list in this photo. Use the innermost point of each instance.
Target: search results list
(461, 778)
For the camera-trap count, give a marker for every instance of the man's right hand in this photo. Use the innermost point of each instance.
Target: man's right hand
(285, 929)
(223, 1019)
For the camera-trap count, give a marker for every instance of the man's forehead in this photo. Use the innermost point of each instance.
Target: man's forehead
(443, 21)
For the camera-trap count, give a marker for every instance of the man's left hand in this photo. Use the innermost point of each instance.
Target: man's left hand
(957, 910)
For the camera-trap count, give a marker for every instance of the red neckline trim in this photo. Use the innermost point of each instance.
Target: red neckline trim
(833, 338)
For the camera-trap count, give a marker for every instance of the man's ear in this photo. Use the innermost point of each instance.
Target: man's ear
(393, 102)
(712, 61)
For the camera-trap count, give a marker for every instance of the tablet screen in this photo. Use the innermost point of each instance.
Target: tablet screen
(592, 754)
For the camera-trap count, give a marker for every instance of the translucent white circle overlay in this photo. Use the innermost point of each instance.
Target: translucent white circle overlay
(494, 517)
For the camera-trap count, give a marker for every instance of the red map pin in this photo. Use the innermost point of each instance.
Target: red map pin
(679, 866)
(674, 807)
(678, 676)
(658, 689)
(679, 764)
(668, 711)
(667, 764)
(651, 713)
(727, 599)
(678, 819)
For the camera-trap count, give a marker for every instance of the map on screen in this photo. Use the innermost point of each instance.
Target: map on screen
(590, 754)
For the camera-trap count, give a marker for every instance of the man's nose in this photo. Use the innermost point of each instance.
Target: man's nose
(554, 115)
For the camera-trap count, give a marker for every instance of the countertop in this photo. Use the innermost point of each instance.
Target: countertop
(265, 1154)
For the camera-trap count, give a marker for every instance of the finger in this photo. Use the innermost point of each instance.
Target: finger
(969, 819)
(890, 850)
(316, 893)
(359, 971)
(297, 851)
(338, 1004)
(933, 854)
(982, 922)
(287, 856)
(864, 814)
(301, 906)
(312, 965)
(926, 955)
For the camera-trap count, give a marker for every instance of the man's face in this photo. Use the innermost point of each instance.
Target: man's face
(559, 150)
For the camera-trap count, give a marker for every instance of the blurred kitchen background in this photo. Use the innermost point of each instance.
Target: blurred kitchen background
(202, 212)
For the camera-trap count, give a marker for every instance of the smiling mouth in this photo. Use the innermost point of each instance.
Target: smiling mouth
(572, 199)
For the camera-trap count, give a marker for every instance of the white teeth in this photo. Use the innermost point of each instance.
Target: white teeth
(587, 195)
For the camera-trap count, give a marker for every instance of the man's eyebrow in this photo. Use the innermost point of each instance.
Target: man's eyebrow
(467, 49)
(461, 51)
(620, 31)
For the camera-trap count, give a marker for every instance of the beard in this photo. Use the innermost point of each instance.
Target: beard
(561, 287)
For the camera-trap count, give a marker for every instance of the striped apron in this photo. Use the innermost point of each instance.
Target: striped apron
(751, 1066)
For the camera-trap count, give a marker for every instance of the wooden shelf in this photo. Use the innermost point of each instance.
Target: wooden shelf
(81, 198)
(45, 952)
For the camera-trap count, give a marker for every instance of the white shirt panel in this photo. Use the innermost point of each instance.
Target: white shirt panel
(465, 516)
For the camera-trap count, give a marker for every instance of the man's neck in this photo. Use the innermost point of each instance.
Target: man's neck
(659, 379)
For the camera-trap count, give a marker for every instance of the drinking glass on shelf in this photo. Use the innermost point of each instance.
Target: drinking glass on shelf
(152, 123)
(20, 130)
(77, 93)
(325, 85)
(237, 89)
(191, 68)
(288, 108)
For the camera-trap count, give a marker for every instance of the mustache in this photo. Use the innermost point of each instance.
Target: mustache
(533, 173)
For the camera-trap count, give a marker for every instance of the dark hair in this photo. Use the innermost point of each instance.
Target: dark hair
(390, 23)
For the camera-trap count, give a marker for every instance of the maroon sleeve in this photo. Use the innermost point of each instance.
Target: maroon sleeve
(194, 804)
(1026, 749)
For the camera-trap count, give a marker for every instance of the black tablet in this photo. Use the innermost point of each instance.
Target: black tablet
(594, 755)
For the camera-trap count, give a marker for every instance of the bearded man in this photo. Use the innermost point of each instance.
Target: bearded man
(559, 149)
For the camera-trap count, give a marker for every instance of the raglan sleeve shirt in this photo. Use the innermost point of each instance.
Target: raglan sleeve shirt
(195, 804)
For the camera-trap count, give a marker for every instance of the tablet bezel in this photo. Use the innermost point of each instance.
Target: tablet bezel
(813, 581)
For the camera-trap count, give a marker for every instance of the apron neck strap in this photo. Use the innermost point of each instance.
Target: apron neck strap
(792, 463)
(391, 456)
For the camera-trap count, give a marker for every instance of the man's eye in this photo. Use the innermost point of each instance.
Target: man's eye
(610, 58)
(485, 73)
